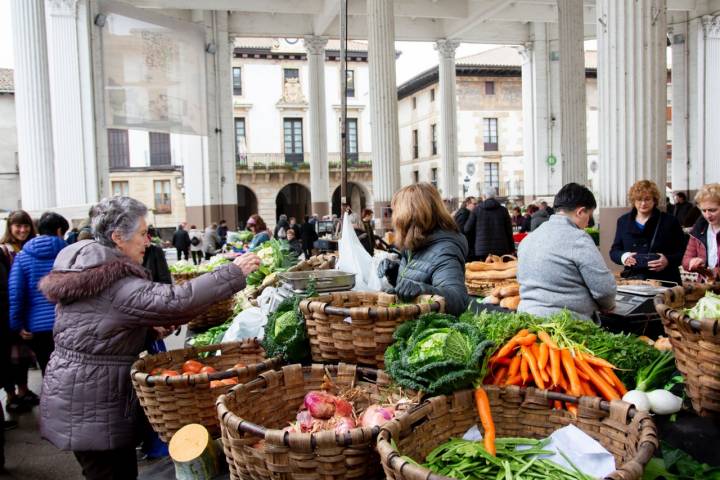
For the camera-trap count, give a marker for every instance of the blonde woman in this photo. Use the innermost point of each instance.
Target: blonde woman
(701, 254)
(433, 250)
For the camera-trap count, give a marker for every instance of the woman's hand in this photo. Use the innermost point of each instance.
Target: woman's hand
(695, 263)
(248, 263)
(25, 335)
(630, 260)
(658, 265)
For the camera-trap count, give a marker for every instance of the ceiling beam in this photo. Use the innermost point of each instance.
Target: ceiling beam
(478, 13)
(542, 13)
(249, 6)
(270, 25)
(330, 11)
(418, 8)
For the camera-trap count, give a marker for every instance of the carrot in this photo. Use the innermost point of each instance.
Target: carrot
(544, 354)
(618, 383)
(563, 383)
(572, 408)
(557, 405)
(524, 369)
(545, 375)
(571, 371)
(596, 361)
(528, 339)
(587, 390)
(583, 376)
(601, 371)
(482, 403)
(532, 363)
(535, 350)
(545, 338)
(607, 391)
(514, 366)
(555, 371)
(507, 349)
(501, 376)
(514, 380)
(500, 361)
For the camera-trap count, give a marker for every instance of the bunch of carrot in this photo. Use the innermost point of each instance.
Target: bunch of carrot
(536, 359)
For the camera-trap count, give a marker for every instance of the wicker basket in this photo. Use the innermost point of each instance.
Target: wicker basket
(216, 314)
(173, 402)
(629, 435)
(357, 327)
(696, 344)
(258, 410)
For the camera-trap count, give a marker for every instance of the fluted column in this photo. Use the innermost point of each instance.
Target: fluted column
(32, 105)
(573, 122)
(66, 101)
(383, 104)
(319, 170)
(633, 96)
(449, 179)
(707, 169)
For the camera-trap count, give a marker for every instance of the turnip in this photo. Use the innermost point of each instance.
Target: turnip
(663, 402)
(639, 399)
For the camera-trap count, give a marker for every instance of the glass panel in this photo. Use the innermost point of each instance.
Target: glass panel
(291, 73)
(352, 135)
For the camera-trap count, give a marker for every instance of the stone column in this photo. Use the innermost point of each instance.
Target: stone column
(632, 76)
(706, 167)
(75, 174)
(449, 178)
(32, 105)
(573, 136)
(383, 105)
(678, 35)
(319, 169)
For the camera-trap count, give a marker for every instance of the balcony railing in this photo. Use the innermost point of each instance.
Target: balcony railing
(278, 161)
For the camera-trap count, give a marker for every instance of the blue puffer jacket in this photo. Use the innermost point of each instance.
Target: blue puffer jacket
(29, 309)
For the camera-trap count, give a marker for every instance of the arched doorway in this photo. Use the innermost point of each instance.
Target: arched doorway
(246, 205)
(294, 201)
(358, 199)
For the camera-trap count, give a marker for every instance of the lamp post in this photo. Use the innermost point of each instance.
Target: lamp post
(466, 186)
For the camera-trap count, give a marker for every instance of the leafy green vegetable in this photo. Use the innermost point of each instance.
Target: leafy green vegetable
(184, 266)
(707, 307)
(675, 464)
(210, 336)
(436, 354)
(516, 457)
(275, 256)
(285, 332)
(657, 374)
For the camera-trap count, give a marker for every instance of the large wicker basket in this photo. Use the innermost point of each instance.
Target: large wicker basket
(357, 327)
(173, 402)
(214, 315)
(696, 344)
(629, 435)
(259, 409)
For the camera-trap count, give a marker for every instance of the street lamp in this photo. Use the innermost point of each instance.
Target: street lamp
(466, 186)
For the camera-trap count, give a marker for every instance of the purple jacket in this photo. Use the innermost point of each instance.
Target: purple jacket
(105, 309)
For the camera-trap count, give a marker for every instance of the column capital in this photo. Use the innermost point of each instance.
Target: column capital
(446, 48)
(711, 26)
(315, 45)
(525, 50)
(63, 7)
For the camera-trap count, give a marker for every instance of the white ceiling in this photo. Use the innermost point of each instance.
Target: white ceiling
(478, 21)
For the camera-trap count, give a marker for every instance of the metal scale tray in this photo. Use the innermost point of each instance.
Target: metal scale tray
(325, 281)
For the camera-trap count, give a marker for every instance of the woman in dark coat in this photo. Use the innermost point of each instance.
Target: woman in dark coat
(647, 230)
(107, 309)
(433, 250)
(492, 226)
(308, 236)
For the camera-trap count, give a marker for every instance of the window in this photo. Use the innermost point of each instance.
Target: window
(415, 144)
(162, 196)
(414, 103)
(159, 149)
(120, 189)
(350, 79)
(237, 81)
(293, 136)
(432, 94)
(239, 137)
(489, 88)
(352, 139)
(433, 177)
(492, 176)
(416, 176)
(291, 74)
(433, 137)
(490, 134)
(118, 148)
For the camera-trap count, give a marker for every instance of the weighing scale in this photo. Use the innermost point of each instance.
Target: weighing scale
(635, 310)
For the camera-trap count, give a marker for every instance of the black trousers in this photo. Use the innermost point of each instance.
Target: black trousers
(43, 345)
(181, 252)
(197, 256)
(119, 464)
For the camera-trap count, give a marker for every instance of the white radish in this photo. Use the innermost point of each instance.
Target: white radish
(663, 402)
(639, 399)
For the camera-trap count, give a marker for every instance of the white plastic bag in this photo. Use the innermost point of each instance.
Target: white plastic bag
(269, 301)
(353, 258)
(250, 323)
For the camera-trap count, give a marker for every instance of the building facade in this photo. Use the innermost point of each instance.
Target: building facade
(9, 174)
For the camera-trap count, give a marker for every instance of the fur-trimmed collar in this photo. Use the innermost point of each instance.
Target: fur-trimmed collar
(64, 286)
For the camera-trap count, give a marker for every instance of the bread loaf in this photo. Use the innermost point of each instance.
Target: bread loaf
(511, 303)
(509, 291)
(492, 274)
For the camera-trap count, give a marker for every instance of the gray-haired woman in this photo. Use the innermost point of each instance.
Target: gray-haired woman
(107, 309)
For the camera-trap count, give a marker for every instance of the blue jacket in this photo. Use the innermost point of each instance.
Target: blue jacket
(29, 309)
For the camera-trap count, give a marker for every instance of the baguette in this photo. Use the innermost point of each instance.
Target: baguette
(511, 303)
(488, 267)
(492, 275)
(509, 291)
(491, 300)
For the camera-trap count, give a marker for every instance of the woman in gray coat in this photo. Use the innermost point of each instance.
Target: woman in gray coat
(107, 309)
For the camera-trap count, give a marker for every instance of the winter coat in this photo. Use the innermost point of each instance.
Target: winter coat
(493, 230)
(259, 239)
(196, 234)
(155, 262)
(106, 306)
(308, 235)
(560, 267)
(211, 241)
(538, 218)
(29, 309)
(670, 241)
(282, 224)
(295, 246)
(686, 213)
(697, 246)
(526, 225)
(5, 339)
(439, 269)
(461, 217)
(181, 239)
(222, 233)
